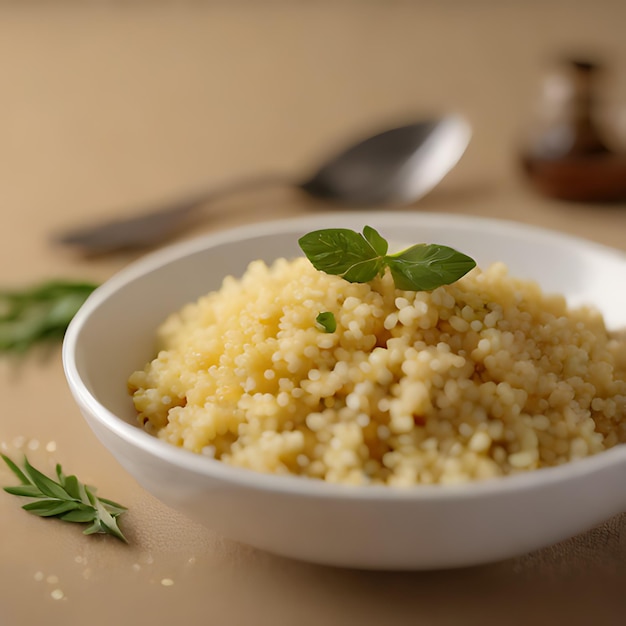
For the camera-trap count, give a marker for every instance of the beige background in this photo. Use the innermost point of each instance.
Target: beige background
(110, 105)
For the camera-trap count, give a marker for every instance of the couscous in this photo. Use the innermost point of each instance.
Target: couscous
(485, 377)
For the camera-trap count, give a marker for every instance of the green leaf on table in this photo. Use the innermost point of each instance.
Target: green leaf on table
(80, 514)
(50, 508)
(46, 485)
(38, 314)
(28, 491)
(68, 499)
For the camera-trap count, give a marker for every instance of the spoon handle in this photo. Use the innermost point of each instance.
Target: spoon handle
(157, 224)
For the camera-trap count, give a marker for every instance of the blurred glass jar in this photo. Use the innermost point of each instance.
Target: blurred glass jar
(567, 155)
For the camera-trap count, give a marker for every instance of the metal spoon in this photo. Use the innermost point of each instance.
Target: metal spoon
(397, 166)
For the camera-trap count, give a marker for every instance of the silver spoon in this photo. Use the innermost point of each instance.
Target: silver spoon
(397, 166)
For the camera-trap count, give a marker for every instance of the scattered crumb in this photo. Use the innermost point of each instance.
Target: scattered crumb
(57, 594)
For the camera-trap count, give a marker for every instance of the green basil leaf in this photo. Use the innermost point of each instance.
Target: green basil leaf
(341, 252)
(376, 240)
(364, 271)
(359, 258)
(327, 321)
(425, 267)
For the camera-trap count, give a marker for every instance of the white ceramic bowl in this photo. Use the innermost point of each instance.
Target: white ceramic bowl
(366, 527)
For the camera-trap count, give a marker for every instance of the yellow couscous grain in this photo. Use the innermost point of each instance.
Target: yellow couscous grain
(482, 378)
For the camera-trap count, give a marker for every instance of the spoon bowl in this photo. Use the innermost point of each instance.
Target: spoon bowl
(396, 166)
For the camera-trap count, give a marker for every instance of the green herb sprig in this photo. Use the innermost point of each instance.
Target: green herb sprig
(359, 258)
(68, 499)
(41, 313)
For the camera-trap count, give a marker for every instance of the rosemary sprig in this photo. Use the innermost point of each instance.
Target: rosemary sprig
(68, 499)
(40, 313)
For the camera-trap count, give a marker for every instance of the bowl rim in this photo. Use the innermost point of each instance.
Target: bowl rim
(298, 485)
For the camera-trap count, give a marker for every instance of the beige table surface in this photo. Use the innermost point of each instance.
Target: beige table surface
(106, 105)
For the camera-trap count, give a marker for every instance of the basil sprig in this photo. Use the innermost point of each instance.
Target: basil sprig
(359, 258)
(67, 499)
